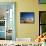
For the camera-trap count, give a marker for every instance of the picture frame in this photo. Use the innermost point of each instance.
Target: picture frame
(42, 22)
(7, 13)
(42, 1)
(27, 17)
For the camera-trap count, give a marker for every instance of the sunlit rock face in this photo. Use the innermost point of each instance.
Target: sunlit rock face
(27, 20)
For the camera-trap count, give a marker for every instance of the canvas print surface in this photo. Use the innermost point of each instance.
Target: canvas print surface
(27, 17)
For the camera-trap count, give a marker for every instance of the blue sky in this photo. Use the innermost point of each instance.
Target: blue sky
(27, 15)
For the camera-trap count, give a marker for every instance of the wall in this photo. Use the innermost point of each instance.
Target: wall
(26, 30)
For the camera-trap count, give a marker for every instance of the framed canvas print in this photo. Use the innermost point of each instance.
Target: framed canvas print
(27, 17)
(42, 22)
(7, 20)
(42, 1)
